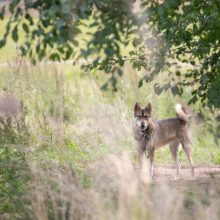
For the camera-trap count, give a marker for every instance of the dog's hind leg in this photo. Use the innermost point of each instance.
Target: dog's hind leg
(187, 147)
(174, 148)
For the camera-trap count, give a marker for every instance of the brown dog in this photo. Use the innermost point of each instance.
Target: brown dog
(151, 135)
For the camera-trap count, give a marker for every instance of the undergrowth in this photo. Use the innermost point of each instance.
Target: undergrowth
(55, 162)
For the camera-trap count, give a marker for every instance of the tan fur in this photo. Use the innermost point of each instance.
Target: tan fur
(181, 113)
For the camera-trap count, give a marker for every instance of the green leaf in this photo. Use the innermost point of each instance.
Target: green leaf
(55, 57)
(2, 13)
(25, 27)
(175, 90)
(192, 62)
(2, 43)
(12, 5)
(69, 52)
(140, 84)
(15, 33)
(178, 73)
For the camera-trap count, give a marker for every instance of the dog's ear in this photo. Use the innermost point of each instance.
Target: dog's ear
(137, 107)
(149, 108)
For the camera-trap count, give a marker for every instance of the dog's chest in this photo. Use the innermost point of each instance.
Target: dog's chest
(144, 140)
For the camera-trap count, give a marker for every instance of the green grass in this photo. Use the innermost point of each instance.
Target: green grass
(72, 128)
(80, 93)
(97, 121)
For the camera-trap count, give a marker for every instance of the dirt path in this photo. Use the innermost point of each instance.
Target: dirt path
(203, 174)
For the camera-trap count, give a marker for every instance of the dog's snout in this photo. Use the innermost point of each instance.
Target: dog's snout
(142, 125)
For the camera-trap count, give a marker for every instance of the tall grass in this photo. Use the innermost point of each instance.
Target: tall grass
(116, 193)
(60, 167)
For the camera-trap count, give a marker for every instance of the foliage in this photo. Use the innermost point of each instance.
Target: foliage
(41, 170)
(72, 128)
(159, 32)
(191, 30)
(110, 25)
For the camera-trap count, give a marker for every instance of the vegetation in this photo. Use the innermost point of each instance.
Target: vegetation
(71, 154)
(160, 32)
(50, 169)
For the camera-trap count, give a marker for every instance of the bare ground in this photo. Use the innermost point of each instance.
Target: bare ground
(203, 174)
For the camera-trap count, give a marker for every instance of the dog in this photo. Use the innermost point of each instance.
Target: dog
(151, 135)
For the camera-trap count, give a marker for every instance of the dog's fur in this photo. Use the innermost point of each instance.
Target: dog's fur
(151, 135)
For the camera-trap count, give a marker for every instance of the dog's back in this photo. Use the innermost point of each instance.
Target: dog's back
(162, 132)
(169, 130)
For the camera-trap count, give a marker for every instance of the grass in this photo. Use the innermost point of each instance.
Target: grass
(73, 127)
(75, 98)
(75, 157)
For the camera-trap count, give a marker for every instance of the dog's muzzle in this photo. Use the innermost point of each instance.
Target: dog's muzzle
(142, 126)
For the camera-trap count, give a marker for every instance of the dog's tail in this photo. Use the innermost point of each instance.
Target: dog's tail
(181, 113)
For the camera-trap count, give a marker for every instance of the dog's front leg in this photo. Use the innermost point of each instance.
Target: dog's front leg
(141, 159)
(140, 156)
(151, 161)
(144, 174)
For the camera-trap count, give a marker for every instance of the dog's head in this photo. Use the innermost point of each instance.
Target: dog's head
(142, 116)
